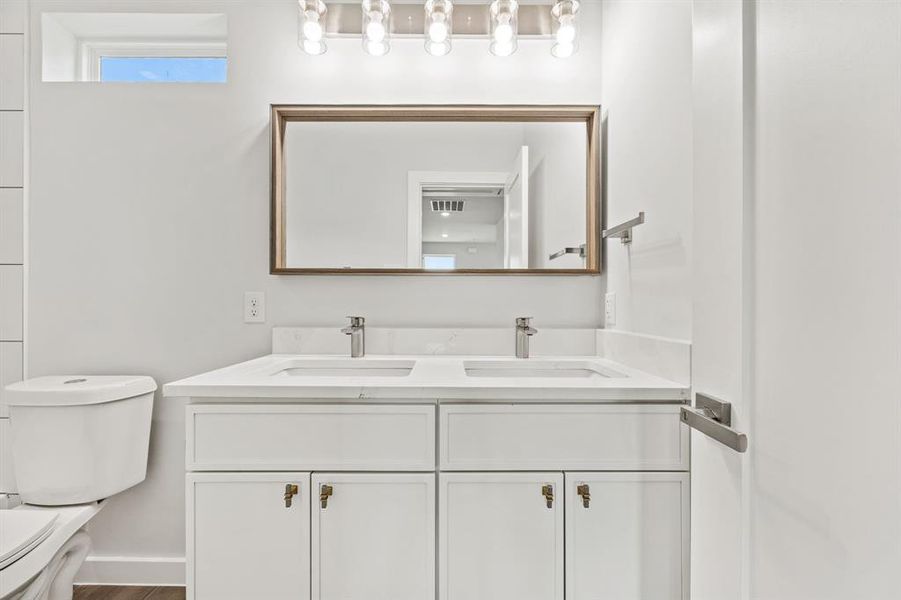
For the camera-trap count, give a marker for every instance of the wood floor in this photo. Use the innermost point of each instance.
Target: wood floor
(116, 592)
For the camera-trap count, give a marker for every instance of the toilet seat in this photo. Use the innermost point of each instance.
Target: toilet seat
(29, 566)
(21, 531)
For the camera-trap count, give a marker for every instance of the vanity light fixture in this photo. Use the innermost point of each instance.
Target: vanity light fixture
(566, 28)
(503, 22)
(311, 26)
(504, 18)
(376, 21)
(438, 26)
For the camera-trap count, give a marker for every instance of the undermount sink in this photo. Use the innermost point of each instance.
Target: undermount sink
(553, 369)
(347, 368)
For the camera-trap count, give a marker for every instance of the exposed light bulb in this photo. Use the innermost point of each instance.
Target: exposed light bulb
(503, 34)
(375, 31)
(311, 33)
(436, 49)
(566, 36)
(504, 16)
(313, 47)
(376, 17)
(438, 30)
(505, 49)
(563, 50)
(438, 26)
(312, 28)
(377, 48)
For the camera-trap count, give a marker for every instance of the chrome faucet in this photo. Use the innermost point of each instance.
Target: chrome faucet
(357, 332)
(523, 331)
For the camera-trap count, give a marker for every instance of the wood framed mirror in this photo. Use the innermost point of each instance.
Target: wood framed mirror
(433, 189)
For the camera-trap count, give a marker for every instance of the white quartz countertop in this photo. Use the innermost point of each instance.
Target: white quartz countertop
(304, 378)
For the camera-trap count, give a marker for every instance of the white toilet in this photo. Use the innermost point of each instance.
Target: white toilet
(74, 441)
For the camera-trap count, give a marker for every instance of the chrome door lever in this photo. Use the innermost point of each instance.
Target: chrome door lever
(713, 418)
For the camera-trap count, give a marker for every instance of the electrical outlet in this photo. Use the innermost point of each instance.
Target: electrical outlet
(610, 309)
(254, 307)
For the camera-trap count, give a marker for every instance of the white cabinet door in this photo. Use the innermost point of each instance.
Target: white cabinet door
(373, 536)
(631, 540)
(244, 541)
(498, 537)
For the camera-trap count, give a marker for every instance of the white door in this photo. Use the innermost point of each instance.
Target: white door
(373, 536)
(627, 536)
(720, 279)
(516, 213)
(500, 536)
(248, 536)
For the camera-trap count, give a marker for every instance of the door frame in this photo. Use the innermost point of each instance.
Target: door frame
(415, 182)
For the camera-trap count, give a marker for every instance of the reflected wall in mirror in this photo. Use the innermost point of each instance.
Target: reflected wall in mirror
(430, 189)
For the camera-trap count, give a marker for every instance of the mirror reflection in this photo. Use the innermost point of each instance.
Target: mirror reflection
(435, 195)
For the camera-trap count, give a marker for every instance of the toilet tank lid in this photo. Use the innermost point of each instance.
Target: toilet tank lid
(74, 390)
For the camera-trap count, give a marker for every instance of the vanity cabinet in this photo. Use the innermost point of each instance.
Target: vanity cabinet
(248, 535)
(373, 536)
(627, 536)
(501, 536)
(534, 501)
(324, 437)
(559, 437)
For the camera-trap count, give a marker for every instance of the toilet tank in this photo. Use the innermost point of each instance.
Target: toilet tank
(79, 439)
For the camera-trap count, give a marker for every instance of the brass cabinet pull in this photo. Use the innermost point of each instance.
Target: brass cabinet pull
(548, 492)
(291, 490)
(584, 491)
(324, 492)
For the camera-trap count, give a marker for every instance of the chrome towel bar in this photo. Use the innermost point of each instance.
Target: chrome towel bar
(624, 230)
(580, 250)
(713, 418)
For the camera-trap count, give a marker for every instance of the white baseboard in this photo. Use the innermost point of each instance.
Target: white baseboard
(132, 570)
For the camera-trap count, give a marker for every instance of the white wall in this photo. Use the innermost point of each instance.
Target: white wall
(150, 219)
(825, 515)
(557, 184)
(646, 81)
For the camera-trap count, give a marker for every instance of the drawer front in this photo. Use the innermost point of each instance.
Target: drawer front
(601, 438)
(310, 437)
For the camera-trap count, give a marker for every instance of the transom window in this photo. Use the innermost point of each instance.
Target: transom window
(163, 69)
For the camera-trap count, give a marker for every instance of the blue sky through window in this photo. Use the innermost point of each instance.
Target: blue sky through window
(163, 69)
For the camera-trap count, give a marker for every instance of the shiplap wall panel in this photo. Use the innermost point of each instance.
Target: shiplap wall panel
(12, 180)
(7, 481)
(11, 226)
(12, 16)
(12, 72)
(11, 303)
(11, 369)
(12, 148)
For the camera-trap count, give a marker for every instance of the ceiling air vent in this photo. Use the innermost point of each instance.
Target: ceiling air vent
(447, 205)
